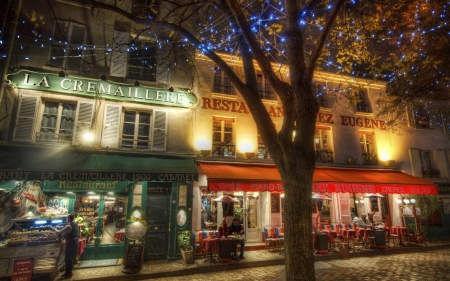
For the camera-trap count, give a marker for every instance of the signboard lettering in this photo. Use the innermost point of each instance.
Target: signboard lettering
(89, 87)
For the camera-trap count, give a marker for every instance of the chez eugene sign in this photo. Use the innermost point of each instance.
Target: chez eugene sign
(240, 107)
(89, 87)
(322, 187)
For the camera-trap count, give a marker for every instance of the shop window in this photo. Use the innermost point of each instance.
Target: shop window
(222, 83)
(145, 8)
(362, 102)
(265, 90)
(110, 217)
(57, 122)
(209, 210)
(428, 162)
(67, 49)
(138, 130)
(142, 63)
(223, 137)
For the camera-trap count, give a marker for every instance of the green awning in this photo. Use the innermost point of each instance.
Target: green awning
(38, 163)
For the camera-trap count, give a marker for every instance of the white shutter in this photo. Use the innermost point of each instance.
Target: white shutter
(111, 122)
(441, 160)
(416, 164)
(345, 215)
(85, 111)
(119, 56)
(26, 119)
(159, 130)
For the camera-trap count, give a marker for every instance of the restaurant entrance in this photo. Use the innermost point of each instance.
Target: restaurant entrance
(158, 209)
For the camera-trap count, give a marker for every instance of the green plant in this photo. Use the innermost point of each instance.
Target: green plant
(184, 240)
(411, 227)
(238, 213)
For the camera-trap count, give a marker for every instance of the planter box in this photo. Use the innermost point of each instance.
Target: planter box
(188, 256)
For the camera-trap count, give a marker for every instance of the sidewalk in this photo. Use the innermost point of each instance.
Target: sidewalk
(260, 258)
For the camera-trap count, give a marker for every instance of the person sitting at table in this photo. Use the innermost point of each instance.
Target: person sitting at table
(364, 222)
(235, 229)
(223, 228)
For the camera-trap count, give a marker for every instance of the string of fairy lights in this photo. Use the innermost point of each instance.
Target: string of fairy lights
(219, 36)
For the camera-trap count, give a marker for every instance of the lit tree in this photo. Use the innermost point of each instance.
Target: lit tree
(359, 38)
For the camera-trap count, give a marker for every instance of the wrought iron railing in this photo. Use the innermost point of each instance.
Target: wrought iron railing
(223, 150)
(42, 137)
(324, 156)
(369, 159)
(263, 153)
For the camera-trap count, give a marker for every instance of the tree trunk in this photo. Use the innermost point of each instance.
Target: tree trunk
(297, 182)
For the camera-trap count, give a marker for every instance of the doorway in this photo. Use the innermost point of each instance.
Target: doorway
(158, 214)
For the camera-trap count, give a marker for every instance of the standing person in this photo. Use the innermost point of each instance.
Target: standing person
(236, 229)
(71, 232)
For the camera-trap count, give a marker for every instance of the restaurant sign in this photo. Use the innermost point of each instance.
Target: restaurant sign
(255, 186)
(95, 176)
(72, 85)
(79, 185)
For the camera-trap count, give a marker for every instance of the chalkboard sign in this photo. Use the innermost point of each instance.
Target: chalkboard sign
(133, 258)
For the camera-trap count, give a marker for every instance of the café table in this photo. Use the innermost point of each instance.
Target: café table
(348, 233)
(81, 247)
(399, 230)
(119, 236)
(209, 245)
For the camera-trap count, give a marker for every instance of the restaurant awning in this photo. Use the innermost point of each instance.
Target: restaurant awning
(226, 177)
(54, 163)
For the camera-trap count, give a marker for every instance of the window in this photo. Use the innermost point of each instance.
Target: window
(446, 121)
(319, 91)
(222, 130)
(428, 164)
(423, 117)
(221, 83)
(142, 61)
(145, 8)
(223, 137)
(262, 150)
(366, 140)
(322, 137)
(57, 122)
(136, 130)
(132, 129)
(265, 90)
(362, 104)
(67, 41)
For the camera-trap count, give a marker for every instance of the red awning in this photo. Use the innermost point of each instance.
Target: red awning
(225, 177)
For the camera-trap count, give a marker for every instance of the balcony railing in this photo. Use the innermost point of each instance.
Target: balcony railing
(369, 159)
(324, 156)
(53, 138)
(263, 153)
(430, 173)
(223, 150)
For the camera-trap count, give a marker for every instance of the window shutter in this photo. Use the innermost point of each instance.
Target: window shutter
(110, 136)
(416, 164)
(26, 119)
(84, 120)
(441, 160)
(119, 56)
(159, 130)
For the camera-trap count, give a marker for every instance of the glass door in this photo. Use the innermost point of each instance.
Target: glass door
(252, 218)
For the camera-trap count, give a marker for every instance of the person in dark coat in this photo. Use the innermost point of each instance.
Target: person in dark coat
(72, 233)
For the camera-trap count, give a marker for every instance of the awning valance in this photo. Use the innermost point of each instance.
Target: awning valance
(19, 163)
(225, 177)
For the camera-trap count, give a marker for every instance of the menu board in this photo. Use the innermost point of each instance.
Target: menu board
(22, 270)
(133, 258)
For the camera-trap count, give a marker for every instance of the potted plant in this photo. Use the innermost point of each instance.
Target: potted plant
(187, 251)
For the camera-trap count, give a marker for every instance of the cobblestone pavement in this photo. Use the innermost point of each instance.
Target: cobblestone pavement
(429, 266)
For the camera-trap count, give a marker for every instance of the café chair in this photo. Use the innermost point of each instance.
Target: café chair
(408, 237)
(280, 240)
(269, 239)
(395, 239)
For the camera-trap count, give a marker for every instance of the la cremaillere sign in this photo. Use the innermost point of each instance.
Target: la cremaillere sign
(72, 85)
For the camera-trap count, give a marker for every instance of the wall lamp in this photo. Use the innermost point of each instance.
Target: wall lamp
(103, 77)
(171, 89)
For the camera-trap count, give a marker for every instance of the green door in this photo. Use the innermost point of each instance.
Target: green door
(158, 214)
